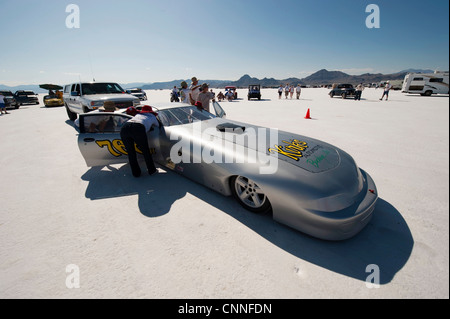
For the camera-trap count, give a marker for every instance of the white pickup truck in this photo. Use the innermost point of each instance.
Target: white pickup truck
(80, 98)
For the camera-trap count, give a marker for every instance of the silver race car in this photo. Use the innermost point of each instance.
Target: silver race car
(308, 184)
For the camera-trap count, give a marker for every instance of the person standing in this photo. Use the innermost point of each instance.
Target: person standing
(280, 92)
(175, 95)
(195, 90)
(298, 91)
(2, 104)
(184, 93)
(291, 91)
(205, 97)
(286, 90)
(358, 93)
(387, 88)
(135, 132)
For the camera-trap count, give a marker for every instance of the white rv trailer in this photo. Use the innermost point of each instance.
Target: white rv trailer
(426, 83)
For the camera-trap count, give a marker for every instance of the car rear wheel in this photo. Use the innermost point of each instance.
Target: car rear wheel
(249, 194)
(428, 93)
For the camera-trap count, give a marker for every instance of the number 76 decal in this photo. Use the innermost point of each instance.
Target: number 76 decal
(117, 148)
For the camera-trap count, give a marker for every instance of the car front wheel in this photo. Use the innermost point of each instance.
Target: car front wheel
(249, 195)
(72, 115)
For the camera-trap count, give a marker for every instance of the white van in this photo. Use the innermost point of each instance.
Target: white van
(82, 98)
(426, 84)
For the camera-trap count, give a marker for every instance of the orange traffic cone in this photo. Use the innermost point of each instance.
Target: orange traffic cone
(308, 115)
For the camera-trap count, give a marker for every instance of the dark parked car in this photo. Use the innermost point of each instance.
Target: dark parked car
(254, 92)
(342, 90)
(10, 102)
(26, 97)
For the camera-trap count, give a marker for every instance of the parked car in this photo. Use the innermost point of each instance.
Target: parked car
(139, 93)
(26, 97)
(10, 101)
(82, 98)
(342, 90)
(232, 90)
(55, 95)
(254, 92)
(315, 188)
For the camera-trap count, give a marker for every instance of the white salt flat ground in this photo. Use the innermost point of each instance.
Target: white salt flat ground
(167, 237)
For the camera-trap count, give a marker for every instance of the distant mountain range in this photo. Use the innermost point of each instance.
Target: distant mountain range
(322, 77)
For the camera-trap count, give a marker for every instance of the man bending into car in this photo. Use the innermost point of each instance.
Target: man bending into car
(135, 131)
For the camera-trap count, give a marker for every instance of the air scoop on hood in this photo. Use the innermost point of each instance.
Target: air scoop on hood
(231, 128)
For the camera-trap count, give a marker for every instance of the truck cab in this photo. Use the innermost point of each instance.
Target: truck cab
(80, 98)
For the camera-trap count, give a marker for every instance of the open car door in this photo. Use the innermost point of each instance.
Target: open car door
(100, 143)
(99, 139)
(220, 112)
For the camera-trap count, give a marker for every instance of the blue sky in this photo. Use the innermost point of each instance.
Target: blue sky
(152, 41)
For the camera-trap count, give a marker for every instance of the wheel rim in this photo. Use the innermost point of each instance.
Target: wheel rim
(249, 192)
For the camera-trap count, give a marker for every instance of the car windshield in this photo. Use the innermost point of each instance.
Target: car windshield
(101, 88)
(183, 115)
(6, 93)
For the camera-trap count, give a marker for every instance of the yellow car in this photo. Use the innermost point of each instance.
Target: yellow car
(53, 98)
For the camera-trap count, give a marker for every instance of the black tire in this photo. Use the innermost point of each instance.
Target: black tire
(428, 93)
(72, 116)
(332, 95)
(249, 195)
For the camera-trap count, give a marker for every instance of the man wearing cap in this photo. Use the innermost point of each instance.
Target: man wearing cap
(108, 106)
(195, 91)
(135, 132)
(205, 96)
(102, 124)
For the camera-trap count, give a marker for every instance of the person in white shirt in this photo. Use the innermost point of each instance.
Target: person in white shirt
(298, 90)
(135, 131)
(2, 104)
(358, 93)
(387, 88)
(184, 93)
(286, 90)
(175, 94)
(195, 90)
